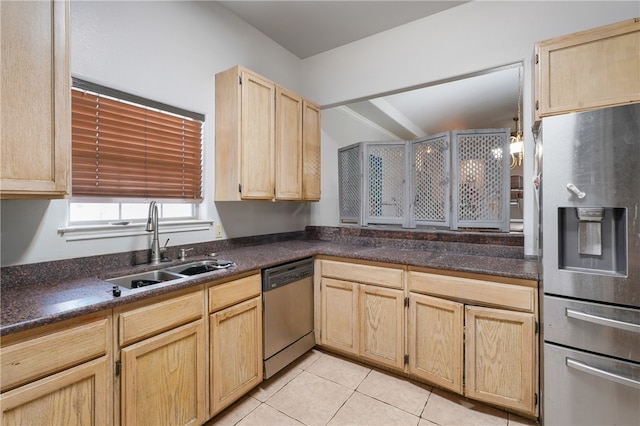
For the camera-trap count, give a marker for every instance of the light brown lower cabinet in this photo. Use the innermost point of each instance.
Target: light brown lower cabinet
(382, 325)
(363, 319)
(235, 340)
(68, 373)
(494, 347)
(58, 374)
(488, 353)
(73, 397)
(163, 378)
(474, 334)
(163, 361)
(500, 357)
(339, 315)
(435, 340)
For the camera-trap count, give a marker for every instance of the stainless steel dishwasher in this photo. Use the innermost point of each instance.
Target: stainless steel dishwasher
(287, 295)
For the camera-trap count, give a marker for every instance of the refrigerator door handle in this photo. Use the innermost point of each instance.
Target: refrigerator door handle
(622, 325)
(602, 374)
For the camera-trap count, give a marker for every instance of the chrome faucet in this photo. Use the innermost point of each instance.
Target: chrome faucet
(152, 226)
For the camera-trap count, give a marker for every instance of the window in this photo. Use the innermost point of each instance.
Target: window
(96, 213)
(131, 150)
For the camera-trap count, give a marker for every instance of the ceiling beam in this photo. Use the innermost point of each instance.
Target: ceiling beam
(398, 117)
(359, 117)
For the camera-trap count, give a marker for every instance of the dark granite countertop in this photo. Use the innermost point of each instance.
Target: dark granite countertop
(32, 296)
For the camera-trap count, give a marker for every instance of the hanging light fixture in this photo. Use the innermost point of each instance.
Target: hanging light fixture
(516, 146)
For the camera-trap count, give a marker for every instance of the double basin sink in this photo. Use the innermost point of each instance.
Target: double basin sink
(158, 276)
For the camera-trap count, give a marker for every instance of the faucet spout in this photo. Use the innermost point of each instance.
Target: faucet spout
(152, 226)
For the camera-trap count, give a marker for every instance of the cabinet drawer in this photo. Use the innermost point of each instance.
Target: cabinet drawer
(149, 320)
(367, 274)
(232, 292)
(573, 323)
(473, 290)
(32, 358)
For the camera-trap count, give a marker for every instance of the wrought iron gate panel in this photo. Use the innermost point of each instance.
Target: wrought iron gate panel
(385, 182)
(481, 178)
(431, 180)
(457, 179)
(350, 183)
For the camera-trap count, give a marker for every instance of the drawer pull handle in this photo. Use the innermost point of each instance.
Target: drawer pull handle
(602, 374)
(622, 325)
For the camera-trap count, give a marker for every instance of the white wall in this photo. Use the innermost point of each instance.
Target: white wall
(476, 36)
(169, 52)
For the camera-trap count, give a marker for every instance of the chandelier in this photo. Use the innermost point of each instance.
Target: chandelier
(516, 146)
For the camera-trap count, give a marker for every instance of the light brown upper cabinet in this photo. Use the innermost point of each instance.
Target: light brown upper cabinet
(310, 151)
(288, 145)
(35, 100)
(589, 69)
(245, 136)
(267, 140)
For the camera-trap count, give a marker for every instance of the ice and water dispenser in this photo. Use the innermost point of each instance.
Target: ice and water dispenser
(593, 239)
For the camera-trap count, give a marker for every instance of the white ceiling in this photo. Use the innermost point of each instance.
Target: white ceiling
(484, 101)
(307, 27)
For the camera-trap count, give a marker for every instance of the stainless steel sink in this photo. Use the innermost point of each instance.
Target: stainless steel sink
(144, 279)
(195, 268)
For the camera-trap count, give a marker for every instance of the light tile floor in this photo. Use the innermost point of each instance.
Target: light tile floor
(324, 389)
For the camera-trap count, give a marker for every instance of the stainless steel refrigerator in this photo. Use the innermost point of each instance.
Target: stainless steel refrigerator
(590, 235)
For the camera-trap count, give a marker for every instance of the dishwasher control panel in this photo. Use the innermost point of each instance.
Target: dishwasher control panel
(287, 273)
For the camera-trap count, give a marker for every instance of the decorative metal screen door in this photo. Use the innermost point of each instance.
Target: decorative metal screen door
(384, 182)
(480, 164)
(431, 183)
(350, 183)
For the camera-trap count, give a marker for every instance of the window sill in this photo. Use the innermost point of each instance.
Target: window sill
(95, 232)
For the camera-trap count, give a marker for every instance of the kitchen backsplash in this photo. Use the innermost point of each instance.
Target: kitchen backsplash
(468, 243)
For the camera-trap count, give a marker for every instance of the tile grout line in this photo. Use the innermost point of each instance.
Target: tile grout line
(307, 364)
(353, 391)
(341, 405)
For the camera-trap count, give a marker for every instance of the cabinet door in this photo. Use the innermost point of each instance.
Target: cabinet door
(236, 352)
(288, 145)
(501, 357)
(382, 325)
(78, 396)
(339, 315)
(435, 340)
(258, 137)
(589, 69)
(35, 112)
(310, 151)
(163, 378)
